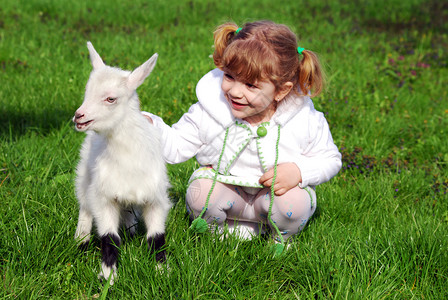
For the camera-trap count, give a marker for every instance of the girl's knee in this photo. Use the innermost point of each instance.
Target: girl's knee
(218, 204)
(196, 196)
(295, 204)
(292, 211)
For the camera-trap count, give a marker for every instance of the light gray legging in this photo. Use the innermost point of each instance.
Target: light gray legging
(290, 211)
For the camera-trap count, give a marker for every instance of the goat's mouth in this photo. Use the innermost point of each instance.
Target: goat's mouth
(83, 126)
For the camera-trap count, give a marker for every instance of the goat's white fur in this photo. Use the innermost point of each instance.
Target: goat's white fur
(121, 162)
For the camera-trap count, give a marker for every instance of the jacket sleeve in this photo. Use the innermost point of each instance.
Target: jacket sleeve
(181, 141)
(321, 160)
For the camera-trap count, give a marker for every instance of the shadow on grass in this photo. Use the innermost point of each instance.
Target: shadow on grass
(427, 16)
(15, 123)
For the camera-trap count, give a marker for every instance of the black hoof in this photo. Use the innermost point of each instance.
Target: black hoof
(109, 249)
(156, 244)
(83, 246)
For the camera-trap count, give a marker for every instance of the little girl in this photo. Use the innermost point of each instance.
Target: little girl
(261, 144)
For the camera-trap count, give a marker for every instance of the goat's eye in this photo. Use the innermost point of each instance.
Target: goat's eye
(110, 99)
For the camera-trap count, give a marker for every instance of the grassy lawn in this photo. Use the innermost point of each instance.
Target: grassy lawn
(381, 228)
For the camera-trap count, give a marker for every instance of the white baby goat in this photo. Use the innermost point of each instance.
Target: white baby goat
(121, 165)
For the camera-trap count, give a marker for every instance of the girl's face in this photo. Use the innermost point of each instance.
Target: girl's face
(253, 103)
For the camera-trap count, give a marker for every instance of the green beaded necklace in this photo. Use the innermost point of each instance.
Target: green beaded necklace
(199, 225)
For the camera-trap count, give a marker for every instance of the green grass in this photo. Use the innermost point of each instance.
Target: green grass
(381, 228)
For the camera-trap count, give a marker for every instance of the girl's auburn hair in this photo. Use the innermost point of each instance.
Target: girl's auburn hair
(263, 51)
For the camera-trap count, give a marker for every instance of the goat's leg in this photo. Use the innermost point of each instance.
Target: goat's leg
(82, 234)
(85, 218)
(155, 216)
(107, 219)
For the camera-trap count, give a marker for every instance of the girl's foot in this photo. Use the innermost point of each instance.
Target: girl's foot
(240, 229)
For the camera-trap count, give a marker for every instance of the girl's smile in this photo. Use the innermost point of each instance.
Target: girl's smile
(237, 105)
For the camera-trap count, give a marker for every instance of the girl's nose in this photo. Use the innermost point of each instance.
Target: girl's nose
(237, 90)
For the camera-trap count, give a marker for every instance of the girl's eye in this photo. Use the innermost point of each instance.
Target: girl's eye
(110, 99)
(251, 86)
(228, 76)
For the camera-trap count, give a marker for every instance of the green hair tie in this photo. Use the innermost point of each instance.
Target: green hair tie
(238, 30)
(300, 50)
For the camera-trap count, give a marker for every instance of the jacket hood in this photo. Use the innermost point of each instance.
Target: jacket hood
(211, 97)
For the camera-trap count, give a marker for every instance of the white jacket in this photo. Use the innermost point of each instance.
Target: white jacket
(305, 138)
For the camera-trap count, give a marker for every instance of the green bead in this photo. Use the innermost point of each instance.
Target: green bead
(199, 225)
(262, 131)
(277, 250)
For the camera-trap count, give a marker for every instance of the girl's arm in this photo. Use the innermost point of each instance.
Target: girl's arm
(319, 162)
(181, 141)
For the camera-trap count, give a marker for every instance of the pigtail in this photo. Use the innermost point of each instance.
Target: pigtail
(223, 35)
(311, 74)
(264, 50)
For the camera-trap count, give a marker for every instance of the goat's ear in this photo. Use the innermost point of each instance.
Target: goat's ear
(95, 58)
(139, 75)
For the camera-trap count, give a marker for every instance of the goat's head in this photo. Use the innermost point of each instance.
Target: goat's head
(110, 93)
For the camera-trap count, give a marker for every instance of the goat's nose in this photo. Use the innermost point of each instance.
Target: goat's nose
(78, 115)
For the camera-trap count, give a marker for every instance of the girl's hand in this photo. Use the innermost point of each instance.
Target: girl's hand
(288, 176)
(148, 118)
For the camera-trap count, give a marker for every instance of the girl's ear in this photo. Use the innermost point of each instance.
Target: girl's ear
(284, 91)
